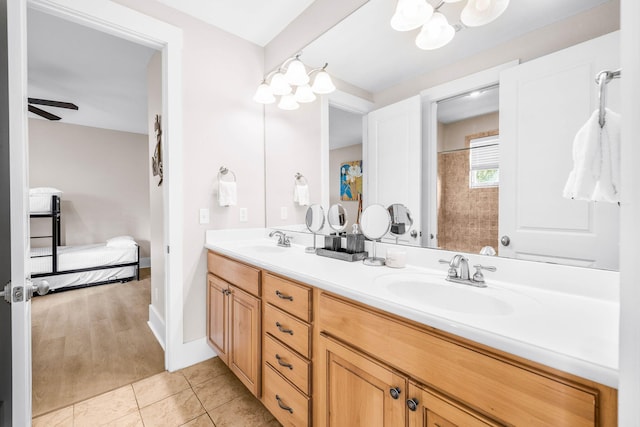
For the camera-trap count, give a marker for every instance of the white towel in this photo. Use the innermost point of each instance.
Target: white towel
(227, 193)
(301, 194)
(596, 161)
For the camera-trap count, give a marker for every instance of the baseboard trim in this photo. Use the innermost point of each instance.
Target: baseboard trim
(157, 326)
(145, 262)
(193, 352)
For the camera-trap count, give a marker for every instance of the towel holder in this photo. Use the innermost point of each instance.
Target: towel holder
(602, 79)
(226, 172)
(300, 179)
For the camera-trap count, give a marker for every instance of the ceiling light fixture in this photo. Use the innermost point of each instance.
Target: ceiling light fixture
(436, 31)
(293, 72)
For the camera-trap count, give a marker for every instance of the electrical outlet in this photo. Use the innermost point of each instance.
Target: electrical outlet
(244, 215)
(283, 212)
(204, 216)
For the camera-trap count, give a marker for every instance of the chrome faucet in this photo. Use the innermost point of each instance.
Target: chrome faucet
(283, 239)
(462, 263)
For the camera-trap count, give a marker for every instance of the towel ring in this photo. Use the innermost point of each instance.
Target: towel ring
(602, 79)
(225, 172)
(300, 179)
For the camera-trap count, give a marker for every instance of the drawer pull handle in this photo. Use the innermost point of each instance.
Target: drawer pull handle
(283, 330)
(394, 392)
(281, 363)
(283, 296)
(412, 404)
(283, 406)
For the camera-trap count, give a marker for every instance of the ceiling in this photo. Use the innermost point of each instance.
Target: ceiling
(365, 51)
(469, 105)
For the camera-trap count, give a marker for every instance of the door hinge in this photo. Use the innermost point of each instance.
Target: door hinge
(167, 248)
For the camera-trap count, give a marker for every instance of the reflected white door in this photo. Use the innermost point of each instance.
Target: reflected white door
(392, 160)
(543, 103)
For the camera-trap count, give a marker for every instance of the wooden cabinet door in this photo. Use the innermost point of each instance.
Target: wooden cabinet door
(244, 338)
(429, 409)
(359, 390)
(218, 317)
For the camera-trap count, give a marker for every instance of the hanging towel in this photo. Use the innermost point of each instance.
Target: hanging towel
(301, 194)
(227, 193)
(596, 161)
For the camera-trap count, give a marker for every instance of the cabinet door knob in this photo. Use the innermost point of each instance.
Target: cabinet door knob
(281, 363)
(283, 296)
(283, 330)
(283, 406)
(412, 404)
(394, 392)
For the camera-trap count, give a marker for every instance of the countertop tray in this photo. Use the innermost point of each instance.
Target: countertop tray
(342, 254)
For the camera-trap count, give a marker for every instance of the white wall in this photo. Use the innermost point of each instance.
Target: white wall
(222, 126)
(453, 134)
(156, 199)
(103, 174)
(336, 158)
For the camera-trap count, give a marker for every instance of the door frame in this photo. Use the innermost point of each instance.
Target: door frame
(430, 98)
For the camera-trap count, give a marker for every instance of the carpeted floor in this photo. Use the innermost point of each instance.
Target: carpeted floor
(92, 340)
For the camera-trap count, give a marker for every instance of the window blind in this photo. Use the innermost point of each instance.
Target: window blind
(484, 153)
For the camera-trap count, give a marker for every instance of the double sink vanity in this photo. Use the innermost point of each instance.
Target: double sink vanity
(326, 342)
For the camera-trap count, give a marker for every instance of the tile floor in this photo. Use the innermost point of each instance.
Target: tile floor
(206, 394)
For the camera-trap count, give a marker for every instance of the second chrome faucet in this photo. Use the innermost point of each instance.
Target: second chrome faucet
(459, 272)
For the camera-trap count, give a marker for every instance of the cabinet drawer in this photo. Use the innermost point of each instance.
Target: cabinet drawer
(289, 296)
(286, 403)
(291, 366)
(516, 394)
(291, 331)
(245, 277)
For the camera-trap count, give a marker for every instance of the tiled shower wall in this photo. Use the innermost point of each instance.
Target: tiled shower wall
(467, 217)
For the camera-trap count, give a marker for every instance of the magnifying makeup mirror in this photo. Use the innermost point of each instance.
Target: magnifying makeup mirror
(375, 222)
(401, 220)
(337, 217)
(314, 220)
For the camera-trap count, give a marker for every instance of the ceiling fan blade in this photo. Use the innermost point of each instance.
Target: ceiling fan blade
(50, 103)
(43, 113)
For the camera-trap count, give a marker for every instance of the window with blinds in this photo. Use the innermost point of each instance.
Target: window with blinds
(484, 162)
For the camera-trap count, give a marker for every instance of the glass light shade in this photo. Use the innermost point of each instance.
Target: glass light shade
(410, 14)
(322, 83)
(279, 85)
(435, 33)
(304, 94)
(264, 94)
(481, 12)
(288, 102)
(296, 73)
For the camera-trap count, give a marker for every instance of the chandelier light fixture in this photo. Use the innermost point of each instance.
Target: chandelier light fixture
(436, 31)
(292, 83)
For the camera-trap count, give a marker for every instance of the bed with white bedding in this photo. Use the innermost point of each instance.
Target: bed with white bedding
(117, 260)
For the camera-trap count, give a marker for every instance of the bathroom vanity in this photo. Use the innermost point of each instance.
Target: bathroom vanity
(324, 342)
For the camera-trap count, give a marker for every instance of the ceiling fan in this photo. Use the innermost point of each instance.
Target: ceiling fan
(46, 114)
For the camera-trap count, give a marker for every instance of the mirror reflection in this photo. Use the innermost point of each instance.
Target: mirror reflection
(337, 217)
(401, 220)
(314, 220)
(477, 178)
(375, 222)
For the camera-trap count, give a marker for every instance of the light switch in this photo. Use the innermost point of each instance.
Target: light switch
(283, 212)
(244, 215)
(204, 216)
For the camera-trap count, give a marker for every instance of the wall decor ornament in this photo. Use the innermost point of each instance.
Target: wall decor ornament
(351, 180)
(156, 160)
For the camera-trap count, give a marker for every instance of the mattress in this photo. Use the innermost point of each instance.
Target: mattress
(84, 256)
(40, 203)
(87, 277)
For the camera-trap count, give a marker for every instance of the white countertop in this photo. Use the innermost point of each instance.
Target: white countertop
(576, 332)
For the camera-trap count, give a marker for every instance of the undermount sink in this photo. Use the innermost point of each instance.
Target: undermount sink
(417, 290)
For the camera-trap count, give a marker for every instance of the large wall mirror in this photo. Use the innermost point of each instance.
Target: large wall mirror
(476, 137)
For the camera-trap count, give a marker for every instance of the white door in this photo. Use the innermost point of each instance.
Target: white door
(392, 160)
(14, 184)
(543, 103)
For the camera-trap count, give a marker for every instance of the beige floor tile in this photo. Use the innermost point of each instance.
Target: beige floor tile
(244, 411)
(203, 371)
(157, 387)
(132, 420)
(60, 418)
(172, 411)
(105, 408)
(219, 391)
(201, 421)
